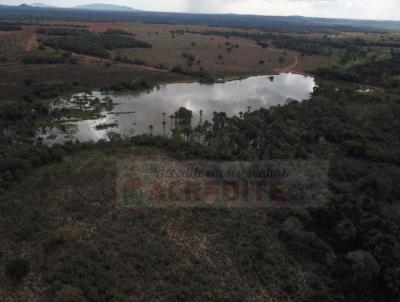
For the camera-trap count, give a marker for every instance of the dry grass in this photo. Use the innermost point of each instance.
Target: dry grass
(220, 56)
(90, 75)
(211, 52)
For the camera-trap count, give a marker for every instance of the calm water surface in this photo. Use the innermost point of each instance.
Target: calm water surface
(132, 114)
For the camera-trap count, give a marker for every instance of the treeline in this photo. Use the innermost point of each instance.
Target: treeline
(368, 43)
(49, 58)
(133, 85)
(322, 46)
(383, 73)
(9, 27)
(307, 46)
(127, 60)
(80, 44)
(93, 44)
(260, 38)
(60, 31)
(53, 89)
(201, 74)
(122, 32)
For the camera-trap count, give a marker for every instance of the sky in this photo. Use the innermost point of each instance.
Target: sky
(356, 9)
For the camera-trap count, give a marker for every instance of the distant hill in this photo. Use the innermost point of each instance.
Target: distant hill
(109, 12)
(24, 5)
(106, 7)
(39, 4)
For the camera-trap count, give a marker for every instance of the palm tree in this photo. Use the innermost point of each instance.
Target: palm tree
(172, 119)
(201, 117)
(164, 122)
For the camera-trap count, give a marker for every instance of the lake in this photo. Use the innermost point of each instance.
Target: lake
(132, 114)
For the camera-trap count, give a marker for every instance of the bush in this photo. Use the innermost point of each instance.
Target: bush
(17, 269)
(111, 31)
(48, 58)
(364, 266)
(129, 61)
(69, 294)
(28, 82)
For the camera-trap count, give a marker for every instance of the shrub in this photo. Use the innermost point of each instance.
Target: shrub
(364, 266)
(48, 58)
(28, 82)
(69, 294)
(129, 61)
(117, 32)
(17, 269)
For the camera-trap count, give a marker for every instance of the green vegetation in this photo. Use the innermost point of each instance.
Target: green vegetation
(336, 250)
(129, 61)
(9, 27)
(43, 57)
(201, 74)
(190, 59)
(17, 269)
(64, 239)
(379, 73)
(53, 89)
(93, 44)
(106, 126)
(133, 85)
(60, 31)
(111, 31)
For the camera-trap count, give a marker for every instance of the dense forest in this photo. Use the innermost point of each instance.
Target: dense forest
(44, 57)
(353, 242)
(61, 31)
(383, 73)
(9, 26)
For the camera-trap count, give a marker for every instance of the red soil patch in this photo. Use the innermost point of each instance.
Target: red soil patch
(8, 33)
(32, 43)
(24, 29)
(28, 29)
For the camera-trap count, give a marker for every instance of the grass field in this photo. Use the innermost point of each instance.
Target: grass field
(217, 55)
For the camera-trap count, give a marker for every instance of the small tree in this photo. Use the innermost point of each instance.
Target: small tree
(17, 269)
(69, 294)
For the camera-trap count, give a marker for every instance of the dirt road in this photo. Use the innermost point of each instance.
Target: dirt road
(291, 67)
